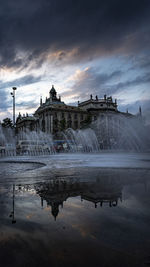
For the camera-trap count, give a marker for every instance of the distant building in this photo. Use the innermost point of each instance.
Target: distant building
(54, 116)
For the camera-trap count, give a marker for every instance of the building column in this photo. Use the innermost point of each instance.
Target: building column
(47, 130)
(40, 125)
(51, 124)
(45, 118)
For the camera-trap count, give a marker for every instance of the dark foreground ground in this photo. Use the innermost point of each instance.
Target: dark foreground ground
(85, 214)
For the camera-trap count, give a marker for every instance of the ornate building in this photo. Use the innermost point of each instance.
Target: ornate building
(54, 116)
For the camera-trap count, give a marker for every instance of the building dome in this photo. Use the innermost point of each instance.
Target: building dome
(52, 89)
(53, 93)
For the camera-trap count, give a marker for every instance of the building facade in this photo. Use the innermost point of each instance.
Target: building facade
(54, 116)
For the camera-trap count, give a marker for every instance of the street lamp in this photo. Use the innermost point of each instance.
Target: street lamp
(13, 96)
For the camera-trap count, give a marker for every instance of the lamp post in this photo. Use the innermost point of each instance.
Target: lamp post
(13, 96)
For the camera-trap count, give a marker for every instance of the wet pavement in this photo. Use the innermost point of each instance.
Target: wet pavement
(72, 210)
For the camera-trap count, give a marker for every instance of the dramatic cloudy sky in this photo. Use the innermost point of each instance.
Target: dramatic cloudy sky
(80, 46)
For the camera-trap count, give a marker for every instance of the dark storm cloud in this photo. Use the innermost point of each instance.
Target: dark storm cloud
(139, 80)
(25, 80)
(99, 84)
(140, 61)
(92, 27)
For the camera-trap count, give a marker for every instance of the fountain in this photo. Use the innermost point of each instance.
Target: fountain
(33, 143)
(115, 132)
(81, 140)
(111, 132)
(29, 143)
(118, 132)
(7, 142)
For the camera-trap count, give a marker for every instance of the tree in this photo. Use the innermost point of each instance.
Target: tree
(7, 123)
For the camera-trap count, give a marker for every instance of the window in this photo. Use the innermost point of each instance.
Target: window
(81, 117)
(69, 124)
(76, 124)
(56, 123)
(69, 116)
(75, 116)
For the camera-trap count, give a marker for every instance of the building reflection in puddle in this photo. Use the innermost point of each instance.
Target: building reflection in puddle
(56, 192)
(83, 217)
(100, 190)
